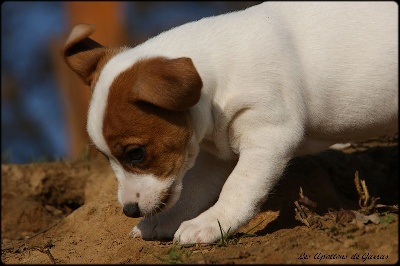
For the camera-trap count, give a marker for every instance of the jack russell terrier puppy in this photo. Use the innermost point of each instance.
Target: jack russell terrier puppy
(199, 122)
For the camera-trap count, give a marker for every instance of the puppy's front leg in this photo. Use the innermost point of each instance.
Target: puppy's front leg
(201, 186)
(257, 171)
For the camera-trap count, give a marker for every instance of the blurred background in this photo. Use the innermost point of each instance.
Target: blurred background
(43, 103)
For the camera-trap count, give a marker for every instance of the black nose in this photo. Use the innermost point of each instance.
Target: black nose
(131, 210)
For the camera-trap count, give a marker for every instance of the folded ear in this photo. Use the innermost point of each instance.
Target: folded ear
(173, 84)
(81, 53)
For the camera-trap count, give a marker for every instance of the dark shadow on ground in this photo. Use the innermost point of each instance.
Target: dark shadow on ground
(327, 178)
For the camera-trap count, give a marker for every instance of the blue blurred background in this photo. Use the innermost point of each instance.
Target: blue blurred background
(33, 109)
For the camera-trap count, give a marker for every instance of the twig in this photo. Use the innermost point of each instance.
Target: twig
(43, 231)
(366, 203)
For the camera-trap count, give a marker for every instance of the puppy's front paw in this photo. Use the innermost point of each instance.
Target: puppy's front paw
(203, 229)
(136, 233)
(152, 228)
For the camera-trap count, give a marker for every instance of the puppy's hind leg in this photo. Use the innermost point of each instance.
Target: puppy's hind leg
(201, 187)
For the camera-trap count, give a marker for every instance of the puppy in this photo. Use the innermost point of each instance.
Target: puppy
(199, 122)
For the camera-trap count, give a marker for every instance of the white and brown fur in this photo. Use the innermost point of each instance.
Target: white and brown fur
(200, 121)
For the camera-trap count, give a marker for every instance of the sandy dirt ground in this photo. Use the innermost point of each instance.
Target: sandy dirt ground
(67, 212)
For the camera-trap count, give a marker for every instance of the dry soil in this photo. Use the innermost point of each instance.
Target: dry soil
(67, 212)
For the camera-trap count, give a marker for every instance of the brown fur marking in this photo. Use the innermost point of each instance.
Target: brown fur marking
(130, 121)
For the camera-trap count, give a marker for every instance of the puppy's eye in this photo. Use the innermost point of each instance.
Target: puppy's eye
(135, 154)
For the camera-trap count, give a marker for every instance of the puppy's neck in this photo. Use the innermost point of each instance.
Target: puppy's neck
(209, 127)
(202, 120)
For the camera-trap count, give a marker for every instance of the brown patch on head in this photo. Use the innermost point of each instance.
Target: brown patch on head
(173, 84)
(146, 115)
(147, 108)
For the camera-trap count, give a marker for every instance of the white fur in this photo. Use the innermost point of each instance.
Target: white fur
(279, 79)
(98, 102)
